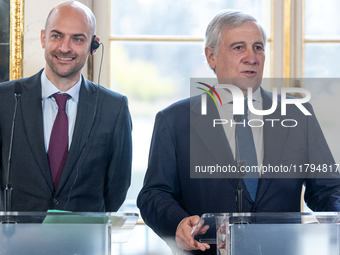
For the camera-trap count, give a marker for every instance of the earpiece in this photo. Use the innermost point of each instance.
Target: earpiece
(94, 45)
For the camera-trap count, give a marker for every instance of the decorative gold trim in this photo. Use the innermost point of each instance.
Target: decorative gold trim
(272, 42)
(90, 68)
(321, 41)
(156, 38)
(109, 46)
(303, 37)
(161, 39)
(16, 39)
(287, 35)
(295, 38)
(267, 21)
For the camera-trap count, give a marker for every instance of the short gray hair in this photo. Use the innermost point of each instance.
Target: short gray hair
(228, 19)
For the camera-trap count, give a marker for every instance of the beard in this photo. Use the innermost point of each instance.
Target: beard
(67, 70)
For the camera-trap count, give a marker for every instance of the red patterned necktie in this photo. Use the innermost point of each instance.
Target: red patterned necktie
(58, 147)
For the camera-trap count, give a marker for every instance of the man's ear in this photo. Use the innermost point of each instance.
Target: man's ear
(42, 38)
(210, 56)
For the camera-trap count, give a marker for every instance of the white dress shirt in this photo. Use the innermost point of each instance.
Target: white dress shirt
(226, 112)
(50, 107)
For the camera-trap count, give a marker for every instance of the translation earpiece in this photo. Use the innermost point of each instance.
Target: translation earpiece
(94, 45)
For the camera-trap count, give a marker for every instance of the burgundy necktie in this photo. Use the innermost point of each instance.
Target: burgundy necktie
(58, 147)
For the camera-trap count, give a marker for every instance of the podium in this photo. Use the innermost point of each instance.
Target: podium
(271, 233)
(38, 233)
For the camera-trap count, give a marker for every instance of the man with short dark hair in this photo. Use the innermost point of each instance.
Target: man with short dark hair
(72, 138)
(171, 202)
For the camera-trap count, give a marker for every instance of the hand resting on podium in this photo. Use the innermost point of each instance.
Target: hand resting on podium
(186, 231)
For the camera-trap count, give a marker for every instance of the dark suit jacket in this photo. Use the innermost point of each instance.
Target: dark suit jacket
(169, 194)
(97, 172)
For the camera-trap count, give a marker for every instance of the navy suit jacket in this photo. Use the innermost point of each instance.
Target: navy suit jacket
(169, 194)
(97, 171)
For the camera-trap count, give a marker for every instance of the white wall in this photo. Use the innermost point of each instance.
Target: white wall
(35, 12)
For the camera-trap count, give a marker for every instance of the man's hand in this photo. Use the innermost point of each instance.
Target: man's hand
(185, 239)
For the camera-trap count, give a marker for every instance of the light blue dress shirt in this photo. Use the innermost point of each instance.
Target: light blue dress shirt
(50, 107)
(226, 112)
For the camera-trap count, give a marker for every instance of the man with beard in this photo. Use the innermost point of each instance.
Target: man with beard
(72, 139)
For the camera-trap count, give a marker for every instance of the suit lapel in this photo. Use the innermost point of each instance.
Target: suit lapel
(214, 138)
(31, 108)
(84, 122)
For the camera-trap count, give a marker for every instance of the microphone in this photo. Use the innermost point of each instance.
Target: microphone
(239, 190)
(237, 118)
(17, 89)
(8, 188)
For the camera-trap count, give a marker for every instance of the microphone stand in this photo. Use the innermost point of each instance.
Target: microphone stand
(8, 189)
(239, 190)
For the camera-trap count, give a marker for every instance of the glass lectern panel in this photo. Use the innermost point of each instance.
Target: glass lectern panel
(63, 233)
(271, 233)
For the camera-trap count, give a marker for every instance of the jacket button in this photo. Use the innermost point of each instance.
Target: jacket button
(55, 201)
(255, 210)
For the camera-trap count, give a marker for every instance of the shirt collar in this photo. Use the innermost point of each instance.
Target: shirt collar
(226, 97)
(48, 89)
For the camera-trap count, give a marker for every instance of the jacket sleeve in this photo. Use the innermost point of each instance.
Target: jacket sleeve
(159, 198)
(323, 187)
(1, 176)
(118, 177)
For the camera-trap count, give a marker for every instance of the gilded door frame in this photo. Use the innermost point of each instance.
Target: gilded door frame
(16, 39)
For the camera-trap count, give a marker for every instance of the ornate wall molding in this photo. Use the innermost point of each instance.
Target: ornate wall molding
(16, 39)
